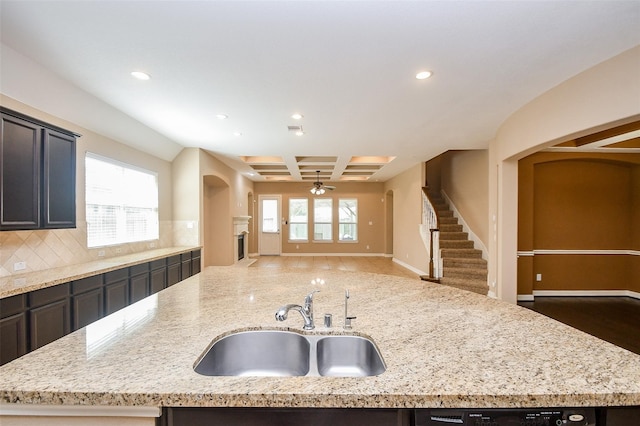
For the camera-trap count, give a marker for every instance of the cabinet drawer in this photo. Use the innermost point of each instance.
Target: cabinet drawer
(185, 256)
(138, 269)
(196, 253)
(172, 260)
(86, 284)
(117, 275)
(48, 295)
(157, 264)
(13, 305)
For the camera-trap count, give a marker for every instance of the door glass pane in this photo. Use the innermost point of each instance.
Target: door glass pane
(269, 215)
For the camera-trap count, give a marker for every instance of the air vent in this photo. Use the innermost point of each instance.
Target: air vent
(294, 128)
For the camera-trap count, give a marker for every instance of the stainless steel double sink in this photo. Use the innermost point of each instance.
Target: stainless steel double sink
(285, 353)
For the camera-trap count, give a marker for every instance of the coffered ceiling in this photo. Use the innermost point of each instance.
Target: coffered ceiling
(228, 76)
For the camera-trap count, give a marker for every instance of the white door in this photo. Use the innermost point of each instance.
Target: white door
(270, 224)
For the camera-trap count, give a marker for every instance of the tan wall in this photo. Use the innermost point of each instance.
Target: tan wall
(371, 216)
(44, 249)
(465, 180)
(207, 194)
(408, 246)
(186, 199)
(227, 193)
(598, 98)
(577, 201)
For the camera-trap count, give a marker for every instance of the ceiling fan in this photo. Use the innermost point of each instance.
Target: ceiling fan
(319, 188)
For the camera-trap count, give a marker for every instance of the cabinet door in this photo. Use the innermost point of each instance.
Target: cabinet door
(174, 274)
(116, 296)
(87, 308)
(49, 322)
(13, 337)
(20, 149)
(59, 180)
(158, 280)
(139, 287)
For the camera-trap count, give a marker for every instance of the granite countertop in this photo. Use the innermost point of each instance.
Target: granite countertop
(443, 347)
(24, 283)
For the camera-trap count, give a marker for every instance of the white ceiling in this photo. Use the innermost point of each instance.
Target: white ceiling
(349, 67)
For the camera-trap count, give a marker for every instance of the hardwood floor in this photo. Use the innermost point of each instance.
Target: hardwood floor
(376, 264)
(614, 319)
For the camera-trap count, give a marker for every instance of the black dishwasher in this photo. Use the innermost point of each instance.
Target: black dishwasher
(506, 417)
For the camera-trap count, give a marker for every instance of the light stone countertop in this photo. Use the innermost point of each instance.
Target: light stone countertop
(24, 283)
(443, 347)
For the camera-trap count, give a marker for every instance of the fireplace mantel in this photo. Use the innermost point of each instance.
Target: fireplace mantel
(241, 225)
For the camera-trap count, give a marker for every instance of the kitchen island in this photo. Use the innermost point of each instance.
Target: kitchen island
(442, 347)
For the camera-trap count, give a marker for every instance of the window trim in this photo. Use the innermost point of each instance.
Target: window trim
(289, 239)
(315, 222)
(356, 223)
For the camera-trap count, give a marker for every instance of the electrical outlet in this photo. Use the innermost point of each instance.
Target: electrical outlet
(538, 277)
(367, 246)
(152, 245)
(118, 250)
(101, 253)
(19, 266)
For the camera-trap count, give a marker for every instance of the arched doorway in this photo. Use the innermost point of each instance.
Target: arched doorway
(218, 248)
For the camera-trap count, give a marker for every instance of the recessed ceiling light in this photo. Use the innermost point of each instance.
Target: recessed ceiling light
(141, 75)
(423, 75)
(222, 116)
(299, 133)
(237, 133)
(297, 116)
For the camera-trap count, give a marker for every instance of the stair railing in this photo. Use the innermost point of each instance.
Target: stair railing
(431, 220)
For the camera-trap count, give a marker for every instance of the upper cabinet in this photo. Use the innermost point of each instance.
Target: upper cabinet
(37, 174)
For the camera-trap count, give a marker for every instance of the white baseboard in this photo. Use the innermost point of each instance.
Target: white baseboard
(578, 293)
(525, 298)
(409, 267)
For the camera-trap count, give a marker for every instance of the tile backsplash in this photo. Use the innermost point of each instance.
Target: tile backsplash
(44, 249)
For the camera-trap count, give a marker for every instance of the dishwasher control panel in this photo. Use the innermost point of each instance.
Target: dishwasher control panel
(505, 417)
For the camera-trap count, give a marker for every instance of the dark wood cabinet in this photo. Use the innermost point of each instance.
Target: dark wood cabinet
(37, 174)
(13, 328)
(87, 308)
(87, 302)
(49, 322)
(158, 276)
(185, 259)
(58, 180)
(195, 262)
(230, 416)
(139, 282)
(20, 149)
(116, 290)
(13, 337)
(49, 315)
(174, 270)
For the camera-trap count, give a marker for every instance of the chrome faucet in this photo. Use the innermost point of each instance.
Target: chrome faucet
(306, 311)
(347, 318)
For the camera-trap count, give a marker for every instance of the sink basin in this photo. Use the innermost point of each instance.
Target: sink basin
(284, 353)
(348, 356)
(257, 353)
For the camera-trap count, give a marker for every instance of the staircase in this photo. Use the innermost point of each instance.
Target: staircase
(462, 266)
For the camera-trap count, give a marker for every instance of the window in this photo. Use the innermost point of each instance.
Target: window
(121, 202)
(322, 216)
(298, 219)
(348, 219)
